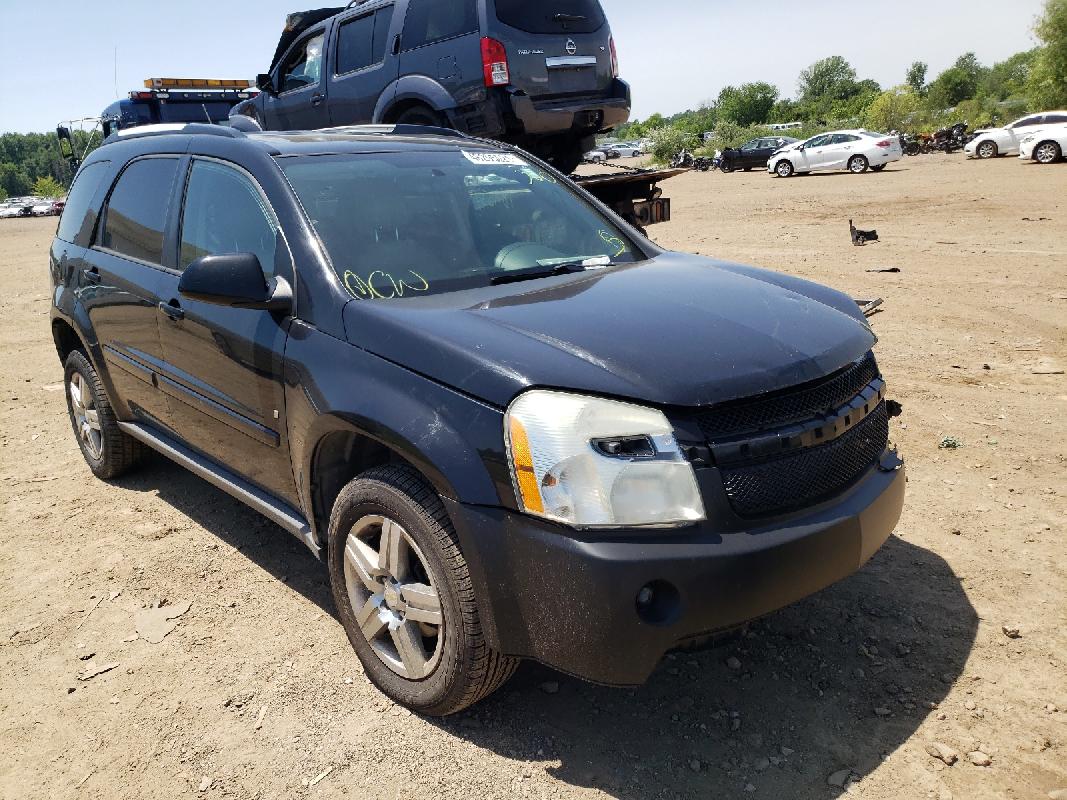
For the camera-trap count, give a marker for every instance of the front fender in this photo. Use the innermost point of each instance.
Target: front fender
(456, 442)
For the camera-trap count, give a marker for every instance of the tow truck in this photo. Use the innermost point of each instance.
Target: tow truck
(161, 101)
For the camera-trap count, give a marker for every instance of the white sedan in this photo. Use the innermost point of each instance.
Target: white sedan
(1045, 146)
(626, 150)
(993, 142)
(857, 151)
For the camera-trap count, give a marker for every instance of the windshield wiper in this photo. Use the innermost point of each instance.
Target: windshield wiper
(548, 271)
(561, 17)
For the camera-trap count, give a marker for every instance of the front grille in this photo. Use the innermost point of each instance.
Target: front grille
(798, 404)
(806, 477)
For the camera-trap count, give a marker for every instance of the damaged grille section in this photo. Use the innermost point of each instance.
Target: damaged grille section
(805, 477)
(798, 404)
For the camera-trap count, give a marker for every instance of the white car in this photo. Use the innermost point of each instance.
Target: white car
(626, 150)
(857, 151)
(595, 157)
(42, 207)
(993, 142)
(1045, 146)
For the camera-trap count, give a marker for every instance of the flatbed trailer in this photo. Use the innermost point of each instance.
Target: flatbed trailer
(632, 193)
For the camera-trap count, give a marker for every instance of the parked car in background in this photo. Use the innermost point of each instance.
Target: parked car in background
(1045, 146)
(595, 157)
(543, 76)
(993, 142)
(855, 151)
(43, 207)
(17, 207)
(447, 396)
(752, 154)
(626, 149)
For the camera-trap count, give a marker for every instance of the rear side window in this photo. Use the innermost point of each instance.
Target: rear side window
(81, 194)
(225, 213)
(551, 16)
(1055, 119)
(137, 210)
(361, 42)
(430, 21)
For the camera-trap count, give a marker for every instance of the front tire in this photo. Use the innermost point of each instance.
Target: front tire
(784, 169)
(1047, 153)
(857, 165)
(107, 450)
(404, 595)
(987, 149)
(879, 168)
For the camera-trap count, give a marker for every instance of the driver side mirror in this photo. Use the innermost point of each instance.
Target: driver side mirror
(235, 280)
(265, 83)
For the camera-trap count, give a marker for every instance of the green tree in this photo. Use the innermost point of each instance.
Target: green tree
(831, 78)
(1047, 83)
(892, 110)
(14, 180)
(1008, 78)
(916, 77)
(47, 186)
(957, 83)
(3, 193)
(749, 104)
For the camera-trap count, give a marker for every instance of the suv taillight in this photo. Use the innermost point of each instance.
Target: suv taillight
(495, 63)
(614, 58)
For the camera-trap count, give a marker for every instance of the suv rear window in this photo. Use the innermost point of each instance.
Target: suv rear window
(137, 210)
(551, 16)
(81, 194)
(442, 222)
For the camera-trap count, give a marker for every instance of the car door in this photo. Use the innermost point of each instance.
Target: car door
(223, 366)
(363, 63)
(842, 147)
(816, 152)
(1017, 130)
(300, 80)
(123, 280)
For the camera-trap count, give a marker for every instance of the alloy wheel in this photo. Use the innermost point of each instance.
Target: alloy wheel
(987, 150)
(86, 416)
(1047, 152)
(394, 597)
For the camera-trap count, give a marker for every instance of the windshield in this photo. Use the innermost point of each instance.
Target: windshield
(195, 112)
(417, 223)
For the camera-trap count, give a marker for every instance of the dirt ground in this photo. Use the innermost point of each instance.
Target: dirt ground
(256, 694)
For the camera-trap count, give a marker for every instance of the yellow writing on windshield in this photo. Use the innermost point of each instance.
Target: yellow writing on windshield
(614, 242)
(381, 285)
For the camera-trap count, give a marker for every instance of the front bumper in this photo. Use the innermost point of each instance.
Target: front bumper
(569, 598)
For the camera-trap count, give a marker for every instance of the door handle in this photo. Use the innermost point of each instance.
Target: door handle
(172, 310)
(92, 276)
(316, 99)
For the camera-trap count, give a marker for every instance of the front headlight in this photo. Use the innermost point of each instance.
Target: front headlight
(592, 463)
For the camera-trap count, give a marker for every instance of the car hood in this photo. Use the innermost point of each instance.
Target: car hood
(679, 330)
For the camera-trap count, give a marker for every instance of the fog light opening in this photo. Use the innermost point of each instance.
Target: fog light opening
(658, 603)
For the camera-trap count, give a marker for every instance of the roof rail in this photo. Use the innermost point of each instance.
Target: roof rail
(395, 130)
(165, 129)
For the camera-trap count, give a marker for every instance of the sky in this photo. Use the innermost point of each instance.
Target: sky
(60, 55)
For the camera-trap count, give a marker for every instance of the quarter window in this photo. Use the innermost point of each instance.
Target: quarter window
(225, 213)
(137, 210)
(1055, 119)
(81, 194)
(432, 20)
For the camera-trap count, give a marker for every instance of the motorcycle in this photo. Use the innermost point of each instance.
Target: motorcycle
(951, 139)
(686, 160)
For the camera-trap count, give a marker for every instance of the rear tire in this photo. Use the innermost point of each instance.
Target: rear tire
(879, 168)
(987, 149)
(107, 450)
(857, 165)
(566, 158)
(784, 169)
(1047, 153)
(421, 115)
(423, 574)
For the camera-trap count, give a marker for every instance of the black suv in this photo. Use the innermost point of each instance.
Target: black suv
(510, 425)
(542, 75)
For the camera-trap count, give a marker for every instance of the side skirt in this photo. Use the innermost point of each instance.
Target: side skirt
(255, 498)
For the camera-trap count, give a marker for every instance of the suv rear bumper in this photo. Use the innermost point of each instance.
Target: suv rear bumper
(583, 115)
(571, 602)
